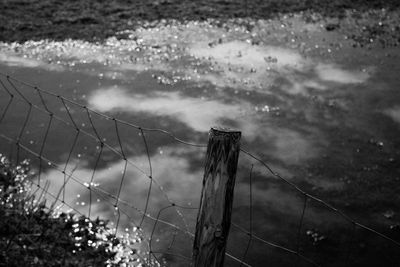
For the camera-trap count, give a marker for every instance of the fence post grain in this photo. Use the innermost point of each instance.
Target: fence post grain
(214, 216)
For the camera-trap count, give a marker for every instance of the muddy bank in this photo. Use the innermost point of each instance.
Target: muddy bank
(22, 20)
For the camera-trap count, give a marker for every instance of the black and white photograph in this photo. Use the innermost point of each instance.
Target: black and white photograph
(203, 133)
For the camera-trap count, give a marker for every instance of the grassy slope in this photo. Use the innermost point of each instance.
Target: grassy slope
(30, 234)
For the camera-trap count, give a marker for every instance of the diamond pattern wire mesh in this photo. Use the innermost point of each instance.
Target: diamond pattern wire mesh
(68, 123)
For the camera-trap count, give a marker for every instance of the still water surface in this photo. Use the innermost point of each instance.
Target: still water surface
(321, 113)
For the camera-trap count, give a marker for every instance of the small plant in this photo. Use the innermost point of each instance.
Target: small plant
(31, 234)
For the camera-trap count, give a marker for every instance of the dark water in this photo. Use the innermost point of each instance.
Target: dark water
(322, 114)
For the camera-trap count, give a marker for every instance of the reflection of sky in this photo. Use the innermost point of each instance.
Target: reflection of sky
(196, 113)
(275, 198)
(332, 73)
(288, 145)
(209, 55)
(393, 113)
(171, 169)
(15, 60)
(246, 75)
(182, 184)
(232, 61)
(247, 55)
(262, 65)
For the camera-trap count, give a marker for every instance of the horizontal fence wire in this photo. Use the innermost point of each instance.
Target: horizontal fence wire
(316, 199)
(306, 197)
(12, 87)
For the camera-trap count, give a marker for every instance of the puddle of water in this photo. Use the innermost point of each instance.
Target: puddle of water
(279, 83)
(244, 54)
(287, 145)
(331, 73)
(198, 114)
(136, 184)
(393, 113)
(15, 60)
(182, 184)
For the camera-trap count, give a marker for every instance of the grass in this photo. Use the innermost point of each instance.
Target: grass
(31, 234)
(23, 20)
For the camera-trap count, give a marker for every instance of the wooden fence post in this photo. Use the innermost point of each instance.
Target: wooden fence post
(214, 216)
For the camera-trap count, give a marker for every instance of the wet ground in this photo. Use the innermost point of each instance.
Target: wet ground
(23, 20)
(316, 97)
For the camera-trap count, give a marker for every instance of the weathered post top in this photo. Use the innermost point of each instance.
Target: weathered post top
(214, 217)
(218, 132)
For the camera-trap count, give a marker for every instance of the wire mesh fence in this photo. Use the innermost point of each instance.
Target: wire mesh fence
(94, 164)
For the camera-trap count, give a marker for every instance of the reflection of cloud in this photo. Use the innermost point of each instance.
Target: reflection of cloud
(288, 145)
(393, 113)
(196, 113)
(291, 146)
(333, 73)
(284, 202)
(141, 66)
(12, 60)
(237, 64)
(171, 169)
(300, 87)
(173, 173)
(243, 65)
(271, 196)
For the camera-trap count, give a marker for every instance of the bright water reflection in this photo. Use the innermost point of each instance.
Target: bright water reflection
(394, 113)
(288, 145)
(195, 113)
(173, 175)
(15, 60)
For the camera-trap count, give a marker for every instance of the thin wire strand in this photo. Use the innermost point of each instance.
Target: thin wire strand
(150, 176)
(172, 254)
(42, 100)
(23, 129)
(6, 109)
(67, 162)
(9, 101)
(69, 113)
(250, 216)
(109, 147)
(115, 151)
(97, 137)
(91, 123)
(301, 225)
(108, 196)
(152, 234)
(271, 244)
(168, 133)
(43, 145)
(327, 205)
(99, 190)
(45, 191)
(16, 89)
(119, 138)
(236, 259)
(151, 252)
(92, 177)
